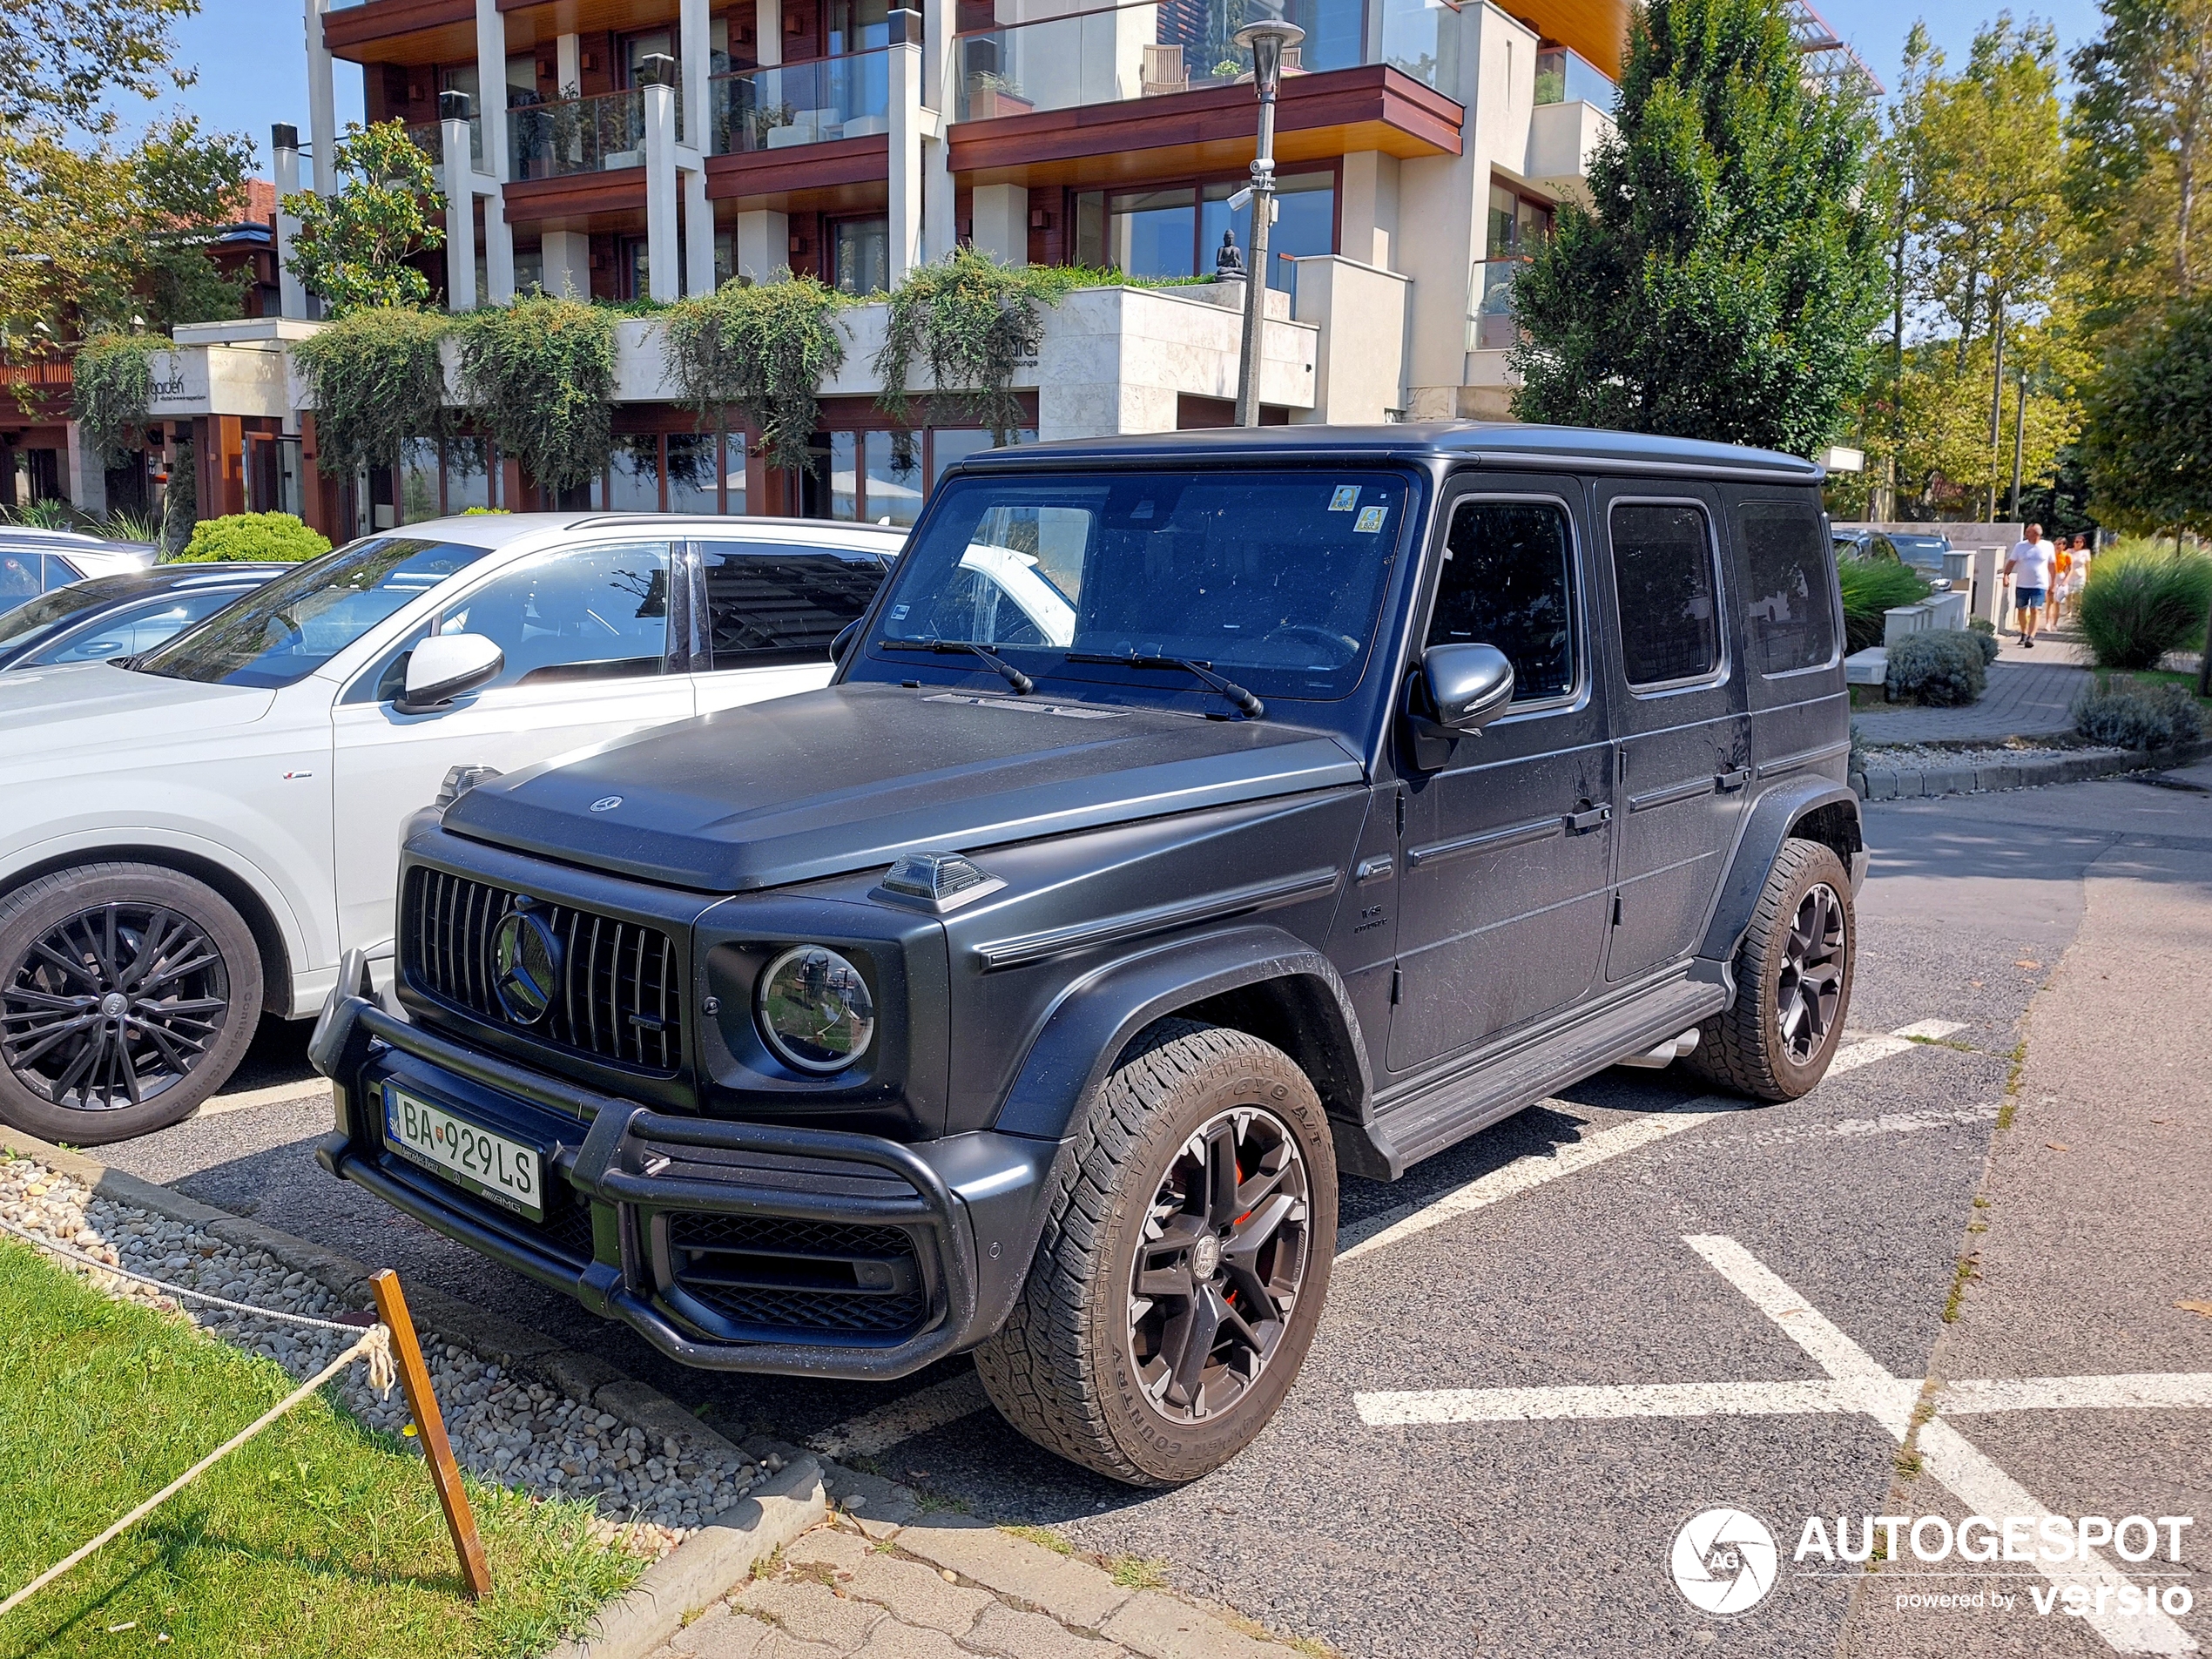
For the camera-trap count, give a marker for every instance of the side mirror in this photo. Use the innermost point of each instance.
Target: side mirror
(445, 666)
(847, 637)
(1469, 685)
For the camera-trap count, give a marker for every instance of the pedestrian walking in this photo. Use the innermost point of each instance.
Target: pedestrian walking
(2061, 568)
(2078, 577)
(2029, 567)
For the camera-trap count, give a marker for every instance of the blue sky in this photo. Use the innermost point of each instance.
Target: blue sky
(253, 58)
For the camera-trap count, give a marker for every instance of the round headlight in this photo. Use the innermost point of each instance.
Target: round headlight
(814, 1010)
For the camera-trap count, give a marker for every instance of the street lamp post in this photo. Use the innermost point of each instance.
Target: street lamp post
(1266, 41)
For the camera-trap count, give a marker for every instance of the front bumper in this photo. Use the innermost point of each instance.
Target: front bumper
(729, 1246)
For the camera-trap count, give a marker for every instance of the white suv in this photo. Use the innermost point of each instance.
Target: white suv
(194, 835)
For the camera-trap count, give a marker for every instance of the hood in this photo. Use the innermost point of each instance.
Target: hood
(851, 776)
(81, 709)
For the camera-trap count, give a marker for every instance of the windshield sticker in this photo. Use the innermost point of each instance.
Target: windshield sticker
(899, 612)
(1370, 521)
(1346, 499)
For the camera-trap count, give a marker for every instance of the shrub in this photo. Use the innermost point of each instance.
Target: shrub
(2143, 600)
(1944, 668)
(2129, 714)
(1985, 636)
(760, 350)
(377, 380)
(1870, 587)
(275, 538)
(539, 377)
(111, 381)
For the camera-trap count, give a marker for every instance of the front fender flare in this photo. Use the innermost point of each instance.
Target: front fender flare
(1768, 822)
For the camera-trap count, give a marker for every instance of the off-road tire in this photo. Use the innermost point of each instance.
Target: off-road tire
(1741, 1048)
(1059, 1369)
(34, 910)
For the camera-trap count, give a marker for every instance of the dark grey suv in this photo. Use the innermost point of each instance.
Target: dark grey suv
(1193, 820)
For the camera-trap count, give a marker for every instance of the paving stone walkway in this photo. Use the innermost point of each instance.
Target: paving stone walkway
(2030, 695)
(953, 1589)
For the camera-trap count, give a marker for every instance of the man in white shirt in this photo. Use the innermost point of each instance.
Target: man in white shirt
(2029, 566)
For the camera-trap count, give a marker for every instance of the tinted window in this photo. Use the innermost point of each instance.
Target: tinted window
(767, 602)
(1507, 582)
(1663, 574)
(129, 629)
(592, 613)
(1790, 609)
(19, 578)
(40, 616)
(291, 627)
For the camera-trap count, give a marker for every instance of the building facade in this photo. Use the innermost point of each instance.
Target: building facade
(650, 149)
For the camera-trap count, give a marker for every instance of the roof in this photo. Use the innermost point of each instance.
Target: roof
(1490, 443)
(497, 529)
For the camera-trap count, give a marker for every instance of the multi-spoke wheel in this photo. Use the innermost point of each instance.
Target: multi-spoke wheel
(1184, 1261)
(1793, 978)
(127, 992)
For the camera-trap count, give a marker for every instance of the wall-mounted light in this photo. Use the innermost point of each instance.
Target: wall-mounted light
(1040, 220)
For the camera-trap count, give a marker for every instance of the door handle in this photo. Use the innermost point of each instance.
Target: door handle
(1730, 781)
(1582, 823)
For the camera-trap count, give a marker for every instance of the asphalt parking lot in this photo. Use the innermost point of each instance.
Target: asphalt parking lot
(1488, 1452)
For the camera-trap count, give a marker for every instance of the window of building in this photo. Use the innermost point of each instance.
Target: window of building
(1176, 229)
(858, 26)
(529, 269)
(693, 465)
(871, 478)
(418, 480)
(1791, 614)
(1508, 582)
(633, 474)
(1667, 587)
(636, 48)
(634, 272)
(471, 480)
(1517, 222)
(768, 601)
(859, 253)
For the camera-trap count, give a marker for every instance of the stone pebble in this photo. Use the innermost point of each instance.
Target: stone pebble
(651, 1493)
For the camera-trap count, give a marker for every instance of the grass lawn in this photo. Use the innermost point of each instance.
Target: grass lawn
(2155, 676)
(318, 1537)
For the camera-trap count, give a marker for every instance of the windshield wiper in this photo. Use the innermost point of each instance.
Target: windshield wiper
(1242, 700)
(1021, 683)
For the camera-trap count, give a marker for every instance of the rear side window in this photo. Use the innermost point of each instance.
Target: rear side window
(1507, 582)
(1668, 592)
(768, 601)
(1790, 608)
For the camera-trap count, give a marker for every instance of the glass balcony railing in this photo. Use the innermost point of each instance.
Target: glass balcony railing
(845, 96)
(1421, 38)
(577, 135)
(1491, 325)
(430, 137)
(1565, 77)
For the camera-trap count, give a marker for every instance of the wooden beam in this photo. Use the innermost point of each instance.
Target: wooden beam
(430, 1430)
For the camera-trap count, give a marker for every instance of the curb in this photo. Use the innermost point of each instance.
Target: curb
(705, 1567)
(1884, 783)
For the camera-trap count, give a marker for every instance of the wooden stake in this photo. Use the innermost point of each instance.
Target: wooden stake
(430, 1428)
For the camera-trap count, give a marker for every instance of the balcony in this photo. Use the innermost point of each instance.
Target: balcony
(1491, 324)
(577, 135)
(1564, 76)
(429, 137)
(756, 109)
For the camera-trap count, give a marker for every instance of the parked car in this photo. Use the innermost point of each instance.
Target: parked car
(1027, 990)
(34, 561)
(193, 837)
(106, 617)
(1923, 552)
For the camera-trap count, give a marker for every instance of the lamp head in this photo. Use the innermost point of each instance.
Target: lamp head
(1266, 41)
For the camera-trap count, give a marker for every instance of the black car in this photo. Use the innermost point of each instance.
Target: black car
(1923, 552)
(1191, 819)
(106, 616)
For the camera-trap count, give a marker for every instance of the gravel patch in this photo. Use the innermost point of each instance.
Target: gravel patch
(510, 1430)
(1915, 757)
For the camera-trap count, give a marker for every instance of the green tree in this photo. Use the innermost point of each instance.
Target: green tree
(2148, 442)
(61, 59)
(354, 245)
(1725, 281)
(2140, 133)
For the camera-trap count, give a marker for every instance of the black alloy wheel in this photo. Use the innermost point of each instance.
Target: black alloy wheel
(113, 1007)
(1810, 989)
(128, 993)
(1219, 1266)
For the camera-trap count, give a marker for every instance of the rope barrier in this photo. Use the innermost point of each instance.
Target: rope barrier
(372, 1345)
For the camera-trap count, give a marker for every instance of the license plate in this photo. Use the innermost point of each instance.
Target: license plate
(506, 1172)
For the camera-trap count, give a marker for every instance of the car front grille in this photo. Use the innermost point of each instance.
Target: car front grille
(615, 995)
(775, 1274)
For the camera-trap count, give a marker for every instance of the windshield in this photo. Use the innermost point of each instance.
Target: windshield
(1273, 578)
(45, 611)
(299, 622)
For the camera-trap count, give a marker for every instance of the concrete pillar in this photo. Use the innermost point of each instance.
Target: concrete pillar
(1368, 210)
(491, 82)
(322, 103)
(568, 64)
(1002, 221)
(664, 274)
(768, 23)
(460, 215)
(567, 259)
(699, 234)
(763, 245)
(693, 52)
(284, 151)
(87, 481)
(904, 210)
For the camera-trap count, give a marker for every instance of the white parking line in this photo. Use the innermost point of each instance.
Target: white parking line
(1858, 1383)
(903, 1419)
(1934, 1030)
